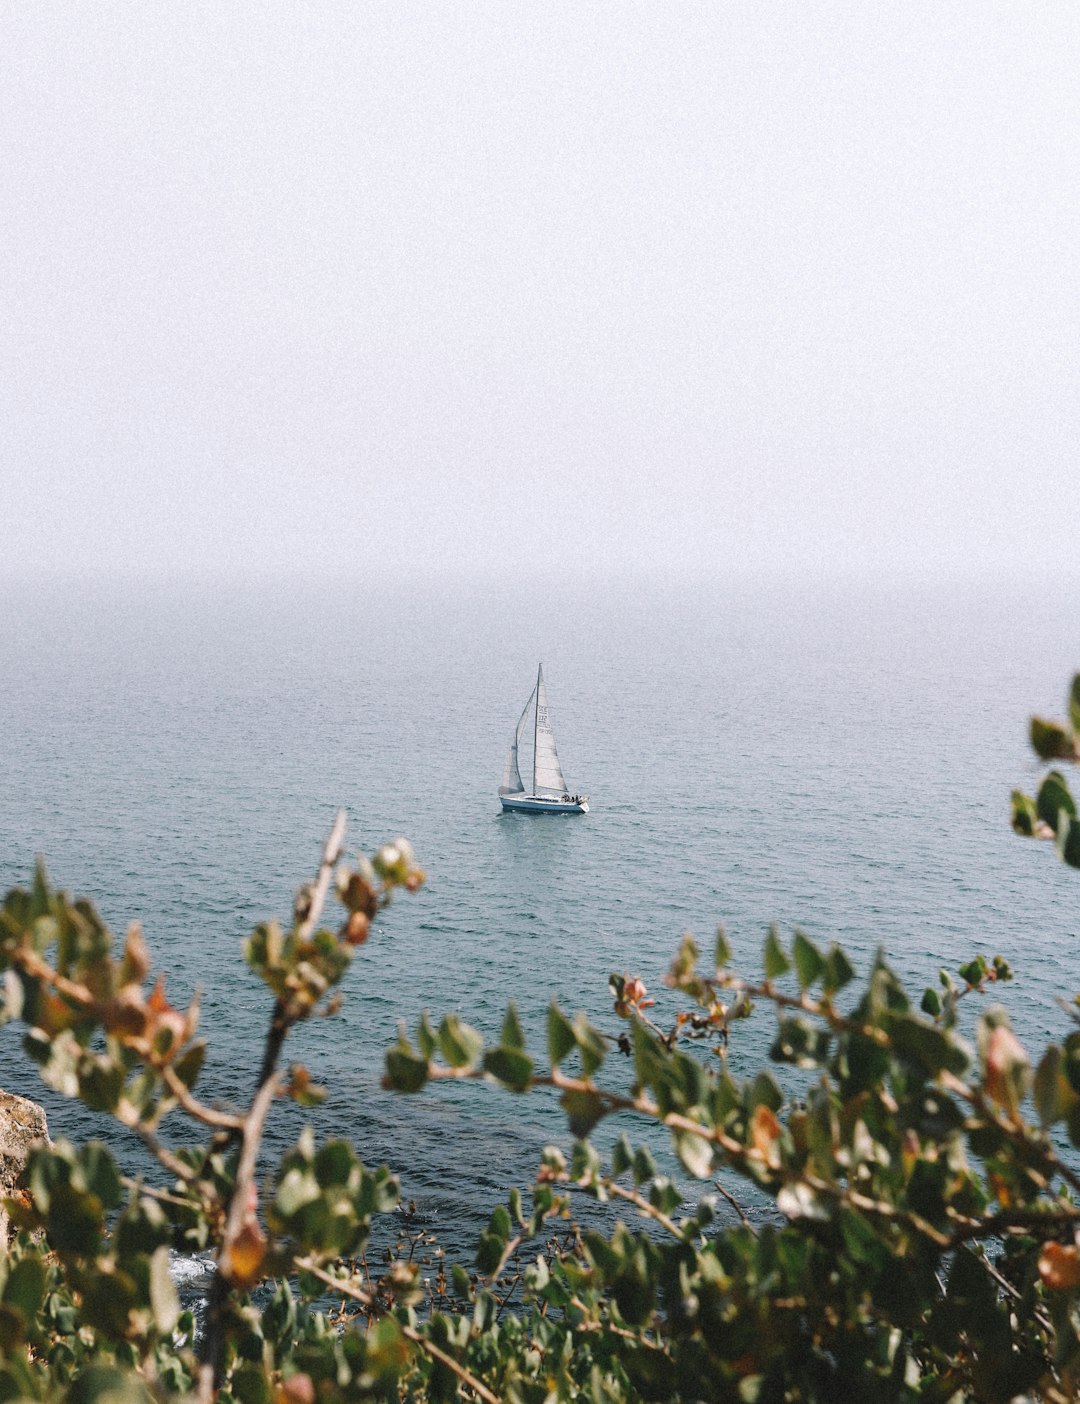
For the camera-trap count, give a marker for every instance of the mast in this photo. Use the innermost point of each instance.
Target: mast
(536, 721)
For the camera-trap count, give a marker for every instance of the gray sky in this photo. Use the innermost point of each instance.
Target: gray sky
(457, 286)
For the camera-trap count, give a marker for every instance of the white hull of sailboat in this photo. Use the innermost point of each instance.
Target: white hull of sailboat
(540, 804)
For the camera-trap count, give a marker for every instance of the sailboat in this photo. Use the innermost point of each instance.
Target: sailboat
(549, 794)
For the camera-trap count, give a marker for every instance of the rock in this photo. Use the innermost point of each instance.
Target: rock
(22, 1125)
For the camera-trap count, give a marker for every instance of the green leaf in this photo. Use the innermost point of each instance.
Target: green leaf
(107, 1384)
(583, 1111)
(776, 962)
(634, 1292)
(1071, 1062)
(931, 1003)
(602, 1254)
(1051, 741)
(298, 1188)
(1074, 702)
(765, 1092)
(509, 1066)
(723, 950)
(512, 1036)
(334, 1164)
(1053, 798)
(460, 1045)
(800, 1042)
(40, 896)
(974, 971)
(1068, 840)
(591, 1046)
(644, 1165)
(838, 970)
(622, 1156)
(74, 1221)
(799, 1201)
(1047, 1087)
(25, 1287)
(249, 1383)
(188, 1066)
(809, 962)
(865, 1249)
(405, 1070)
(425, 1036)
(560, 1035)
(929, 1047)
(13, 1331)
(164, 1301)
(695, 1153)
(489, 1252)
(500, 1222)
(102, 1175)
(1024, 815)
(684, 966)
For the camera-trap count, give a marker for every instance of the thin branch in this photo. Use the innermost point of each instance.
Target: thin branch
(611, 1327)
(162, 1196)
(161, 1152)
(642, 1205)
(209, 1116)
(358, 1294)
(1016, 1221)
(727, 1194)
(249, 1131)
(331, 854)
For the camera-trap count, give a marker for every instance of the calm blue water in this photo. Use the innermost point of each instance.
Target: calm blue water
(836, 758)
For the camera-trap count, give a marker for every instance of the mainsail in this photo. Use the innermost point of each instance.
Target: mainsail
(547, 772)
(511, 784)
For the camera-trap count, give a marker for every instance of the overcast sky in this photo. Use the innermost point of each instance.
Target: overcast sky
(476, 285)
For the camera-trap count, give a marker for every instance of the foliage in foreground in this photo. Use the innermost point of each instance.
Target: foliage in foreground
(918, 1239)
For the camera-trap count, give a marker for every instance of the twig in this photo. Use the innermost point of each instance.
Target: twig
(727, 1194)
(358, 1294)
(642, 1205)
(209, 1116)
(610, 1327)
(249, 1131)
(161, 1152)
(162, 1196)
(331, 854)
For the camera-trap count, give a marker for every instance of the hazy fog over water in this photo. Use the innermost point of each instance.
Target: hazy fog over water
(422, 287)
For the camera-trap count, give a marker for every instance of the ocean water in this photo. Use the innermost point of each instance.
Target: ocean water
(838, 758)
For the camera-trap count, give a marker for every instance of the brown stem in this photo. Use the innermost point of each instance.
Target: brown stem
(358, 1294)
(727, 1194)
(209, 1116)
(642, 1205)
(249, 1131)
(609, 1327)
